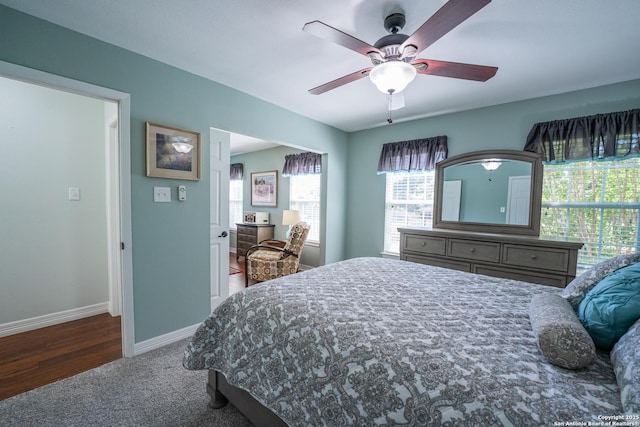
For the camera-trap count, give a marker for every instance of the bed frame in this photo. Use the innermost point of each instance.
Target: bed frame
(221, 393)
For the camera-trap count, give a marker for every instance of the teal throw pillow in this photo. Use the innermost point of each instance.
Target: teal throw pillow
(612, 306)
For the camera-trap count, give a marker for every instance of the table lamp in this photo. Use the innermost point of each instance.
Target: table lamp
(290, 218)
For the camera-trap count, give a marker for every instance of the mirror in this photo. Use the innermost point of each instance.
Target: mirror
(492, 191)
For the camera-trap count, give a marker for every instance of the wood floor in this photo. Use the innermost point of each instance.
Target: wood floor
(236, 281)
(35, 358)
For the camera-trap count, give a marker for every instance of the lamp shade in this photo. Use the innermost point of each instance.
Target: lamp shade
(290, 217)
(392, 76)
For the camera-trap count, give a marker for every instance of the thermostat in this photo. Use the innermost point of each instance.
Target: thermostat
(182, 193)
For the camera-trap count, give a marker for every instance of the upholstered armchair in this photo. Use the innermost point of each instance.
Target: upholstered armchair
(276, 258)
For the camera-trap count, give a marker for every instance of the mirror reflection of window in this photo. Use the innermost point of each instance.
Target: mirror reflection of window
(451, 193)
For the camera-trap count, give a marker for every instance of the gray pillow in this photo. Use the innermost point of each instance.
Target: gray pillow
(561, 337)
(581, 285)
(625, 357)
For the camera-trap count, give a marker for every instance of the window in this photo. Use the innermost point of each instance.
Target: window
(304, 196)
(596, 202)
(235, 202)
(408, 202)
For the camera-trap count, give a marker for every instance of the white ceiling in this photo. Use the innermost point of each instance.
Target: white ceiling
(241, 144)
(541, 47)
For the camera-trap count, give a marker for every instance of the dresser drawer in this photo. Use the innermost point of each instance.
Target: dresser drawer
(536, 257)
(473, 250)
(425, 245)
(522, 275)
(246, 238)
(245, 244)
(439, 262)
(248, 230)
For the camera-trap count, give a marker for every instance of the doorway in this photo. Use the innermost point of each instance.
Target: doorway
(73, 197)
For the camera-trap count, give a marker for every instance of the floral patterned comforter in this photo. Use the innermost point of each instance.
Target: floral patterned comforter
(373, 341)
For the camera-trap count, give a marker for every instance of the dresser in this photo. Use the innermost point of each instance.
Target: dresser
(526, 258)
(251, 234)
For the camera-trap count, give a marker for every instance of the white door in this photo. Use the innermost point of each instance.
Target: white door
(219, 142)
(451, 192)
(518, 197)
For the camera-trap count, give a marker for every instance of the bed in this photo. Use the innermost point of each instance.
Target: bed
(372, 341)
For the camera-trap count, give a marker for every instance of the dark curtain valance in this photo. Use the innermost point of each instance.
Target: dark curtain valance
(236, 171)
(414, 155)
(302, 164)
(602, 136)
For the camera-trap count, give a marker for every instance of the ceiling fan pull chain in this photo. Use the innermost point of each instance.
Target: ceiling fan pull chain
(389, 105)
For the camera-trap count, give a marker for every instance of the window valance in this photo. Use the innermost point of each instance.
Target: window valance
(302, 164)
(413, 155)
(236, 171)
(597, 137)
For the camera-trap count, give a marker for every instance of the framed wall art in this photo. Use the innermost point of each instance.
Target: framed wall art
(172, 152)
(264, 188)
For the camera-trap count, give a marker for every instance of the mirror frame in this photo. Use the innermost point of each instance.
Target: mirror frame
(533, 228)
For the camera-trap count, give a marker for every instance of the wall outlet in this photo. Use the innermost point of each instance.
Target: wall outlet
(161, 194)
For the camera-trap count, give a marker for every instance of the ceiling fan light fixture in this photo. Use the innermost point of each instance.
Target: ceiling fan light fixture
(392, 76)
(491, 164)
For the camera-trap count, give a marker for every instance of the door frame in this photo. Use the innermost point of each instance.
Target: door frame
(120, 208)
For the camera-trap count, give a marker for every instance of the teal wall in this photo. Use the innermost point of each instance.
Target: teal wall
(503, 126)
(261, 161)
(170, 255)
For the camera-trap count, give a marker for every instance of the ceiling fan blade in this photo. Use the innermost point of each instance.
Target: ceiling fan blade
(456, 70)
(324, 31)
(340, 81)
(444, 20)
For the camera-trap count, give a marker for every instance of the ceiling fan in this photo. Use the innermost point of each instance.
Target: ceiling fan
(394, 55)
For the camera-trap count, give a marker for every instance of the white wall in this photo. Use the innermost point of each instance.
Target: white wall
(53, 252)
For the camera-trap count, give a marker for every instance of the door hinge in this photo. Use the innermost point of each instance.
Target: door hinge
(122, 246)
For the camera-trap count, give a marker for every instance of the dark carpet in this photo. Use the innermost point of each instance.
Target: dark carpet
(152, 389)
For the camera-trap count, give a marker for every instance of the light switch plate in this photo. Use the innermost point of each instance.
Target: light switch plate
(161, 194)
(74, 194)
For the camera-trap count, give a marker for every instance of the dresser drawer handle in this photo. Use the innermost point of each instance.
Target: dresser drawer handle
(424, 243)
(472, 250)
(534, 257)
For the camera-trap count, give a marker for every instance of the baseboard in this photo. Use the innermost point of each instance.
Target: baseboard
(43, 321)
(162, 340)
